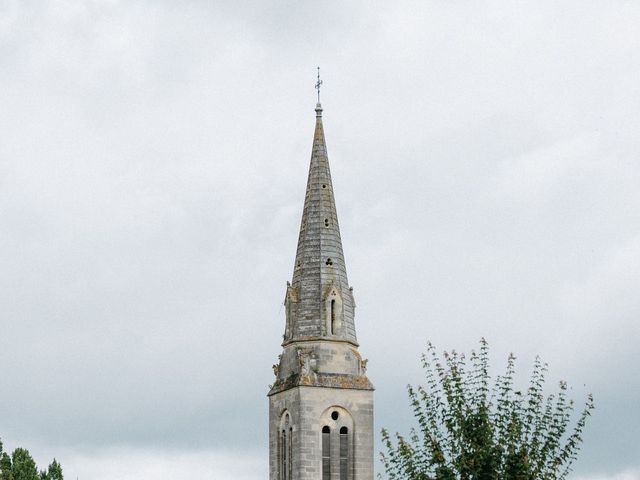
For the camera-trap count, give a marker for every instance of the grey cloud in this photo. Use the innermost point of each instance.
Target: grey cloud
(152, 172)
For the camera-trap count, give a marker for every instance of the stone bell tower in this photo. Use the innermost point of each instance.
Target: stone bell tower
(321, 404)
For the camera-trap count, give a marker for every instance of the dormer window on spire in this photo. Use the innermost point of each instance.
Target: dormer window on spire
(333, 312)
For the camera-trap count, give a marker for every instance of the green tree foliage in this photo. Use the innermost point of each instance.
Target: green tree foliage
(5, 465)
(470, 428)
(54, 472)
(21, 466)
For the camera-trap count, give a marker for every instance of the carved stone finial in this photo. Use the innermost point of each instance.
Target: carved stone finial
(363, 365)
(276, 369)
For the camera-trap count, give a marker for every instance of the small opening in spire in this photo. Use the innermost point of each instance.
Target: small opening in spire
(326, 222)
(329, 262)
(333, 325)
(324, 186)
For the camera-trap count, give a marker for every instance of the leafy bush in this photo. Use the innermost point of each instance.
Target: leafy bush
(470, 428)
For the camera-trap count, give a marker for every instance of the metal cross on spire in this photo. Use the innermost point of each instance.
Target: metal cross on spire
(318, 84)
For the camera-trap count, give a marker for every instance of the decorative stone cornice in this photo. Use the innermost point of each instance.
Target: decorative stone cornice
(327, 380)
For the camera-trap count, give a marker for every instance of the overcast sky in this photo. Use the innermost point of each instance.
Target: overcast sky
(153, 160)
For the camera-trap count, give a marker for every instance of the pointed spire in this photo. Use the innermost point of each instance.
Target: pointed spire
(319, 301)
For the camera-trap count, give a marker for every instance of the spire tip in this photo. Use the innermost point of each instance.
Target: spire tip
(318, 85)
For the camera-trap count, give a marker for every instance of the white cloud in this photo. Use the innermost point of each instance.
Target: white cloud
(632, 474)
(541, 174)
(162, 464)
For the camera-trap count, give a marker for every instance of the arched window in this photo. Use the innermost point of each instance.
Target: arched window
(337, 443)
(333, 317)
(326, 453)
(344, 453)
(285, 448)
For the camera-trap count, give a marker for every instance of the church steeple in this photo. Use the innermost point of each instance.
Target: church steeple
(321, 402)
(319, 301)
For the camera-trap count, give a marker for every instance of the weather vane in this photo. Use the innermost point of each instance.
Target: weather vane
(318, 84)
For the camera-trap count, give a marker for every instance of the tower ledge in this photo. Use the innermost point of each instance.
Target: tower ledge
(326, 380)
(312, 338)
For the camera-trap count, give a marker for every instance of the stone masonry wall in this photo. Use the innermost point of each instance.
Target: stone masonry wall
(310, 409)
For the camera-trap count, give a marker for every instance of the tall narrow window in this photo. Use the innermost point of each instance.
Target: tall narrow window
(284, 455)
(280, 453)
(333, 317)
(290, 468)
(326, 453)
(344, 453)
